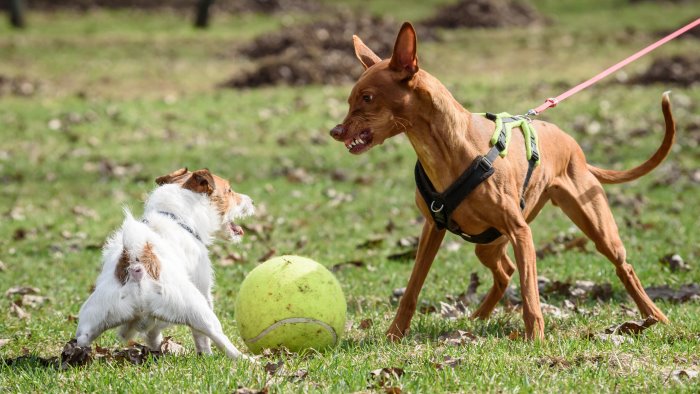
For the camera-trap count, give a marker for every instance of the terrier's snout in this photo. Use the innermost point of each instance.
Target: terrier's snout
(338, 131)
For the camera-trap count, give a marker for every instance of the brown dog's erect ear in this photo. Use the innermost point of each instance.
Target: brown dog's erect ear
(404, 58)
(201, 181)
(366, 56)
(172, 177)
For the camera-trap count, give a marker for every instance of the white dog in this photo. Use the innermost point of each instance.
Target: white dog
(156, 271)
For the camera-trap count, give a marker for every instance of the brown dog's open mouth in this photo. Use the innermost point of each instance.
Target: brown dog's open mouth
(359, 143)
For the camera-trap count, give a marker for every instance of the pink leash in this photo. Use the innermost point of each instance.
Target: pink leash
(552, 102)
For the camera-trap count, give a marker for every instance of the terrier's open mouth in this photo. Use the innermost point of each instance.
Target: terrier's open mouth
(235, 229)
(360, 142)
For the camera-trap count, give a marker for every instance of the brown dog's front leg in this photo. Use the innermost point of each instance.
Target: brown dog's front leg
(428, 245)
(527, 269)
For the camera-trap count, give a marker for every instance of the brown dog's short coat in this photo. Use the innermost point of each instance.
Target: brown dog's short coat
(394, 96)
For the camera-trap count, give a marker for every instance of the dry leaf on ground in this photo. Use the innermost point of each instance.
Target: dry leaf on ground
(396, 294)
(372, 243)
(74, 355)
(272, 368)
(169, 346)
(688, 292)
(21, 290)
(632, 327)
(135, 354)
(365, 324)
(384, 376)
(246, 390)
(17, 311)
(409, 254)
(267, 255)
(448, 362)
(452, 312)
(674, 262)
(298, 375)
(458, 338)
(347, 264)
(31, 300)
(680, 375)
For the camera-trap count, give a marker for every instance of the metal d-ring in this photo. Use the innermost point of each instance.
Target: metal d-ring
(436, 210)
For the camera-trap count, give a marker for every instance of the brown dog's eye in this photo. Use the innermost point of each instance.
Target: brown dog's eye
(367, 98)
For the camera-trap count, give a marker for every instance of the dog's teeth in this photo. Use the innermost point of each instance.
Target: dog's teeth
(361, 140)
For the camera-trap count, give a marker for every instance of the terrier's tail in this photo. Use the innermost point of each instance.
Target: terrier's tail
(138, 257)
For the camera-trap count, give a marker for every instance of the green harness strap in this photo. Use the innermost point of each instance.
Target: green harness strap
(505, 123)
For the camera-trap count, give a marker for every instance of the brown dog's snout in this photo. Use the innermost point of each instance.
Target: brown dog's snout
(338, 131)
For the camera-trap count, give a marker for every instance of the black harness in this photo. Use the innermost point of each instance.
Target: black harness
(441, 205)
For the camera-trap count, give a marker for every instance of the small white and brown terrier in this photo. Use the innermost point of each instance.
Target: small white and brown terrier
(156, 271)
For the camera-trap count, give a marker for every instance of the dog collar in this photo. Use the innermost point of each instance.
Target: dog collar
(179, 223)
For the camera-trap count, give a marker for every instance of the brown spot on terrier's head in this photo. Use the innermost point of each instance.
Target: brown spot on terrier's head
(201, 181)
(176, 176)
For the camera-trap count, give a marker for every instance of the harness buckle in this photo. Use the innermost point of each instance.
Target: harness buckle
(485, 163)
(432, 208)
(501, 143)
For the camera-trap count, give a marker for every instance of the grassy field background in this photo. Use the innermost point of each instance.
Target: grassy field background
(125, 96)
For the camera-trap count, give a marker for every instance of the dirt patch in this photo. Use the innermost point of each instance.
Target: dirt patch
(485, 14)
(660, 1)
(233, 6)
(18, 86)
(85, 5)
(320, 52)
(679, 70)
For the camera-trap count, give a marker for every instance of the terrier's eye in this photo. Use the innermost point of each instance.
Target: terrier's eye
(367, 98)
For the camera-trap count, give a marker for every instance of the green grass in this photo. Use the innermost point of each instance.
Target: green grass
(136, 92)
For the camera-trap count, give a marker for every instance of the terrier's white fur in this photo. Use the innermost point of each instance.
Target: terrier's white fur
(163, 244)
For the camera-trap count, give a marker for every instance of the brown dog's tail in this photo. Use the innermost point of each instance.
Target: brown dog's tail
(612, 176)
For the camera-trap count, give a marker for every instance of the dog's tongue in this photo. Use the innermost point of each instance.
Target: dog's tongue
(236, 229)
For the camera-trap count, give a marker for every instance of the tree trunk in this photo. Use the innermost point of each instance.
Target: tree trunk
(16, 13)
(202, 19)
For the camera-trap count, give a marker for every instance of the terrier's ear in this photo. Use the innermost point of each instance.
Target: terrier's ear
(366, 56)
(173, 177)
(404, 59)
(201, 181)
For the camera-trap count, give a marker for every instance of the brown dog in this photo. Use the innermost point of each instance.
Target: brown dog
(393, 96)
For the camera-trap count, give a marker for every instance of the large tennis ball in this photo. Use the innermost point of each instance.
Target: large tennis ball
(290, 301)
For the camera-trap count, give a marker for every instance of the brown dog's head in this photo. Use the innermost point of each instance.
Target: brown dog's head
(229, 204)
(383, 97)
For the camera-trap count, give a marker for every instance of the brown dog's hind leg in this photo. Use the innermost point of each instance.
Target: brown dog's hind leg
(428, 245)
(582, 199)
(494, 257)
